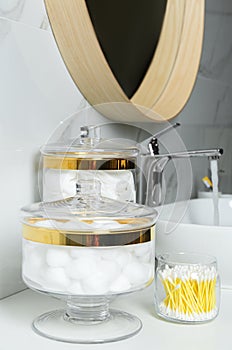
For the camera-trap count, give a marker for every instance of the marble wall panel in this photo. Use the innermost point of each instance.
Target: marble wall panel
(219, 6)
(209, 104)
(36, 94)
(31, 12)
(216, 60)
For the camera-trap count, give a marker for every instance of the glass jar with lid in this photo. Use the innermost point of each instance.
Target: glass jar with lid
(85, 250)
(114, 164)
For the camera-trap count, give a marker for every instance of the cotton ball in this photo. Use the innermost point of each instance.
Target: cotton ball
(109, 253)
(123, 257)
(36, 259)
(33, 262)
(106, 224)
(121, 284)
(146, 258)
(82, 252)
(56, 279)
(81, 268)
(57, 257)
(72, 270)
(75, 288)
(136, 273)
(74, 224)
(46, 223)
(142, 249)
(149, 270)
(96, 284)
(110, 269)
(27, 250)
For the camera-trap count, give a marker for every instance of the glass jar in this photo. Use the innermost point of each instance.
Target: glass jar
(187, 287)
(86, 250)
(67, 163)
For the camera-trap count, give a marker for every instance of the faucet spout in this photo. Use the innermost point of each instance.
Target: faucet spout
(155, 165)
(215, 152)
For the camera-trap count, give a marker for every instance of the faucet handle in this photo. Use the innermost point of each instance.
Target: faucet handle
(153, 145)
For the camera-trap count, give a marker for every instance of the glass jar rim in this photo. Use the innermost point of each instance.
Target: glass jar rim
(187, 258)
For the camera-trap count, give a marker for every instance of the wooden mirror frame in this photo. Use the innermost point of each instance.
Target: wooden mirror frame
(169, 79)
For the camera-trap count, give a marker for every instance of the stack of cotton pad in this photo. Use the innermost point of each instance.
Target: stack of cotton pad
(115, 184)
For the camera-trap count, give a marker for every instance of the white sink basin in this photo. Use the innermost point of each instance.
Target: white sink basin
(188, 227)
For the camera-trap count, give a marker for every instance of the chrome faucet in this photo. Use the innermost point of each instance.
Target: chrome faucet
(153, 165)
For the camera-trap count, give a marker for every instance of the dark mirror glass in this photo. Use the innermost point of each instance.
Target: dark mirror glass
(128, 32)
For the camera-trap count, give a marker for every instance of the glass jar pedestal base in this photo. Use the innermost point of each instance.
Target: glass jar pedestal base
(87, 324)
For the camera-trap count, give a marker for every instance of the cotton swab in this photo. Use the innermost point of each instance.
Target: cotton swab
(190, 292)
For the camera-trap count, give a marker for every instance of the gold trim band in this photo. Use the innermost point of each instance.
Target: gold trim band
(83, 239)
(72, 163)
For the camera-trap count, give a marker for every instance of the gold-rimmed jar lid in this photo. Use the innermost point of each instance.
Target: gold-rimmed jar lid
(92, 146)
(88, 219)
(90, 153)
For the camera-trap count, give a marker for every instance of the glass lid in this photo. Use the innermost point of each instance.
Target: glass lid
(88, 211)
(91, 145)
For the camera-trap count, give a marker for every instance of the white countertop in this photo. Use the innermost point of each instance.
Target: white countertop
(18, 311)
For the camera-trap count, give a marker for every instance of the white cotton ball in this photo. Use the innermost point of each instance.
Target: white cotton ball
(142, 249)
(33, 262)
(56, 279)
(121, 284)
(123, 257)
(81, 268)
(110, 269)
(27, 250)
(147, 258)
(75, 288)
(149, 271)
(36, 259)
(72, 270)
(106, 224)
(83, 252)
(108, 253)
(57, 257)
(96, 284)
(137, 273)
(74, 225)
(46, 223)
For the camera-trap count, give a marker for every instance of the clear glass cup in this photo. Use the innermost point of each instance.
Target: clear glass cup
(187, 287)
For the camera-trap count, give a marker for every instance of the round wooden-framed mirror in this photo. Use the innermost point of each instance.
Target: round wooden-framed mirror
(169, 77)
